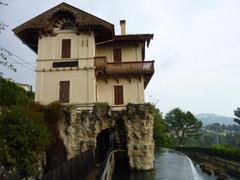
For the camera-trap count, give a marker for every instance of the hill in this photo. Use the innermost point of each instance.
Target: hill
(208, 118)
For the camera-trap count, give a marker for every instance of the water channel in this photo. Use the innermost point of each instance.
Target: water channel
(169, 165)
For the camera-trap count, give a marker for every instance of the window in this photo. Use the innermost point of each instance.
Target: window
(67, 26)
(64, 87)
(118, 95)
(117, 55)
(66, 48)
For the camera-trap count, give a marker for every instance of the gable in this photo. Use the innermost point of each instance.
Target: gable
(45, 23)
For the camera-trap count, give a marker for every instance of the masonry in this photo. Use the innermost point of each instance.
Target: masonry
(130, 129)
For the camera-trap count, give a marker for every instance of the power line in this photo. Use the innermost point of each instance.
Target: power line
(23, 60)
(10, 53)
(19, 63)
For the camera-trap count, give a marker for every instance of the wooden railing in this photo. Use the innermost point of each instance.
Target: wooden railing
(131, 67)
(124, 67)
(73, 169)
(100, 62)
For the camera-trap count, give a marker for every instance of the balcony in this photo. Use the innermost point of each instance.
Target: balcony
(129, 69)
(124, 68)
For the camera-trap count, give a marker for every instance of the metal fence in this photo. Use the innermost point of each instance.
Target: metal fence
(73, 169)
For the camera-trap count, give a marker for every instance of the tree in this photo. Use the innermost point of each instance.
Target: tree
(214, 127)
(160, 135)
(23, 139)
(12, 95)
(237, 115)
(4, 53)
(183, 124)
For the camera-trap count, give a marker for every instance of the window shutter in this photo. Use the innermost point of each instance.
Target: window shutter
(64, 89)
(66, 48)
(118, 95)
(117, 55)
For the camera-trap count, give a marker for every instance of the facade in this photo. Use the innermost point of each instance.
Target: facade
(80, 60)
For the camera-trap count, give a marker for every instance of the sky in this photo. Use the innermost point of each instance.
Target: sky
(196, 47)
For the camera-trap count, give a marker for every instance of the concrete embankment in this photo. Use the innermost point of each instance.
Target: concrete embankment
(215, 165)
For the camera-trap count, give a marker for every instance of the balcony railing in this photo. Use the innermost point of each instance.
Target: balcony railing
(100, 62)
(124, 68)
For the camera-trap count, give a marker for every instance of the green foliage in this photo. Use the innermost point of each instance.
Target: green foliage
(4, 54)
(56, 152)
(237, 114)
(101, 110)
(182, 124)
(224, 149)
(84, 114)
(53, 113)
(12, 95)
(160, 135)
(23, 139)
(209, 138)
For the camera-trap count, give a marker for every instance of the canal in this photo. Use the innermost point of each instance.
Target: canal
(169, 165)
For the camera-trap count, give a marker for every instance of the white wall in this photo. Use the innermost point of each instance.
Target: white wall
(129, 52)
(82, 80)
(133, 90)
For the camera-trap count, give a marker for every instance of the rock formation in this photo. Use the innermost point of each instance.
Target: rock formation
(139, 124)
(80, 132)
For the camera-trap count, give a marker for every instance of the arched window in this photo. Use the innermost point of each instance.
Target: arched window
(67, 26)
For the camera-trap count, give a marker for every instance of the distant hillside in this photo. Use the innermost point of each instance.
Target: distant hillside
(208, 118)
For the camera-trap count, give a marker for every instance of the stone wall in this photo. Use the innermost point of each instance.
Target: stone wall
(133, 127)
(139, 124)
(80, 132)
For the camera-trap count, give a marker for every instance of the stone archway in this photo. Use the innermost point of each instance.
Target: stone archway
(104, 141)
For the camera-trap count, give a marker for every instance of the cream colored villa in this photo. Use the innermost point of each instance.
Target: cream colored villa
(80, 60)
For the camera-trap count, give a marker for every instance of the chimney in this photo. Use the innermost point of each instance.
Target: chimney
(123, 27)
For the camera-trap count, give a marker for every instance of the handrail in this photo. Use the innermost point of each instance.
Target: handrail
(131, 62)
(130, 66)
(108, 162)
(102, 174)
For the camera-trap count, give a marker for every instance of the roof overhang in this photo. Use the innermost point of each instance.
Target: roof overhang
(135, 37)
(44, 24)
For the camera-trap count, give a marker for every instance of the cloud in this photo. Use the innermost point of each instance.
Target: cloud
(196, 46)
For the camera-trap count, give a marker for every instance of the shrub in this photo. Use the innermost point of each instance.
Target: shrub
(23, 139)
(226, 150)
(12, 95)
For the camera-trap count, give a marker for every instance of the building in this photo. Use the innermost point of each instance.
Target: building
(25, 86)
(80, 60)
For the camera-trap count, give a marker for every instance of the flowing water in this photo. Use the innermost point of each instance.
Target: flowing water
(169, 165)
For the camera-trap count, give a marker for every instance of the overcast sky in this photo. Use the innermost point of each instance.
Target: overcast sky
(196, 47)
